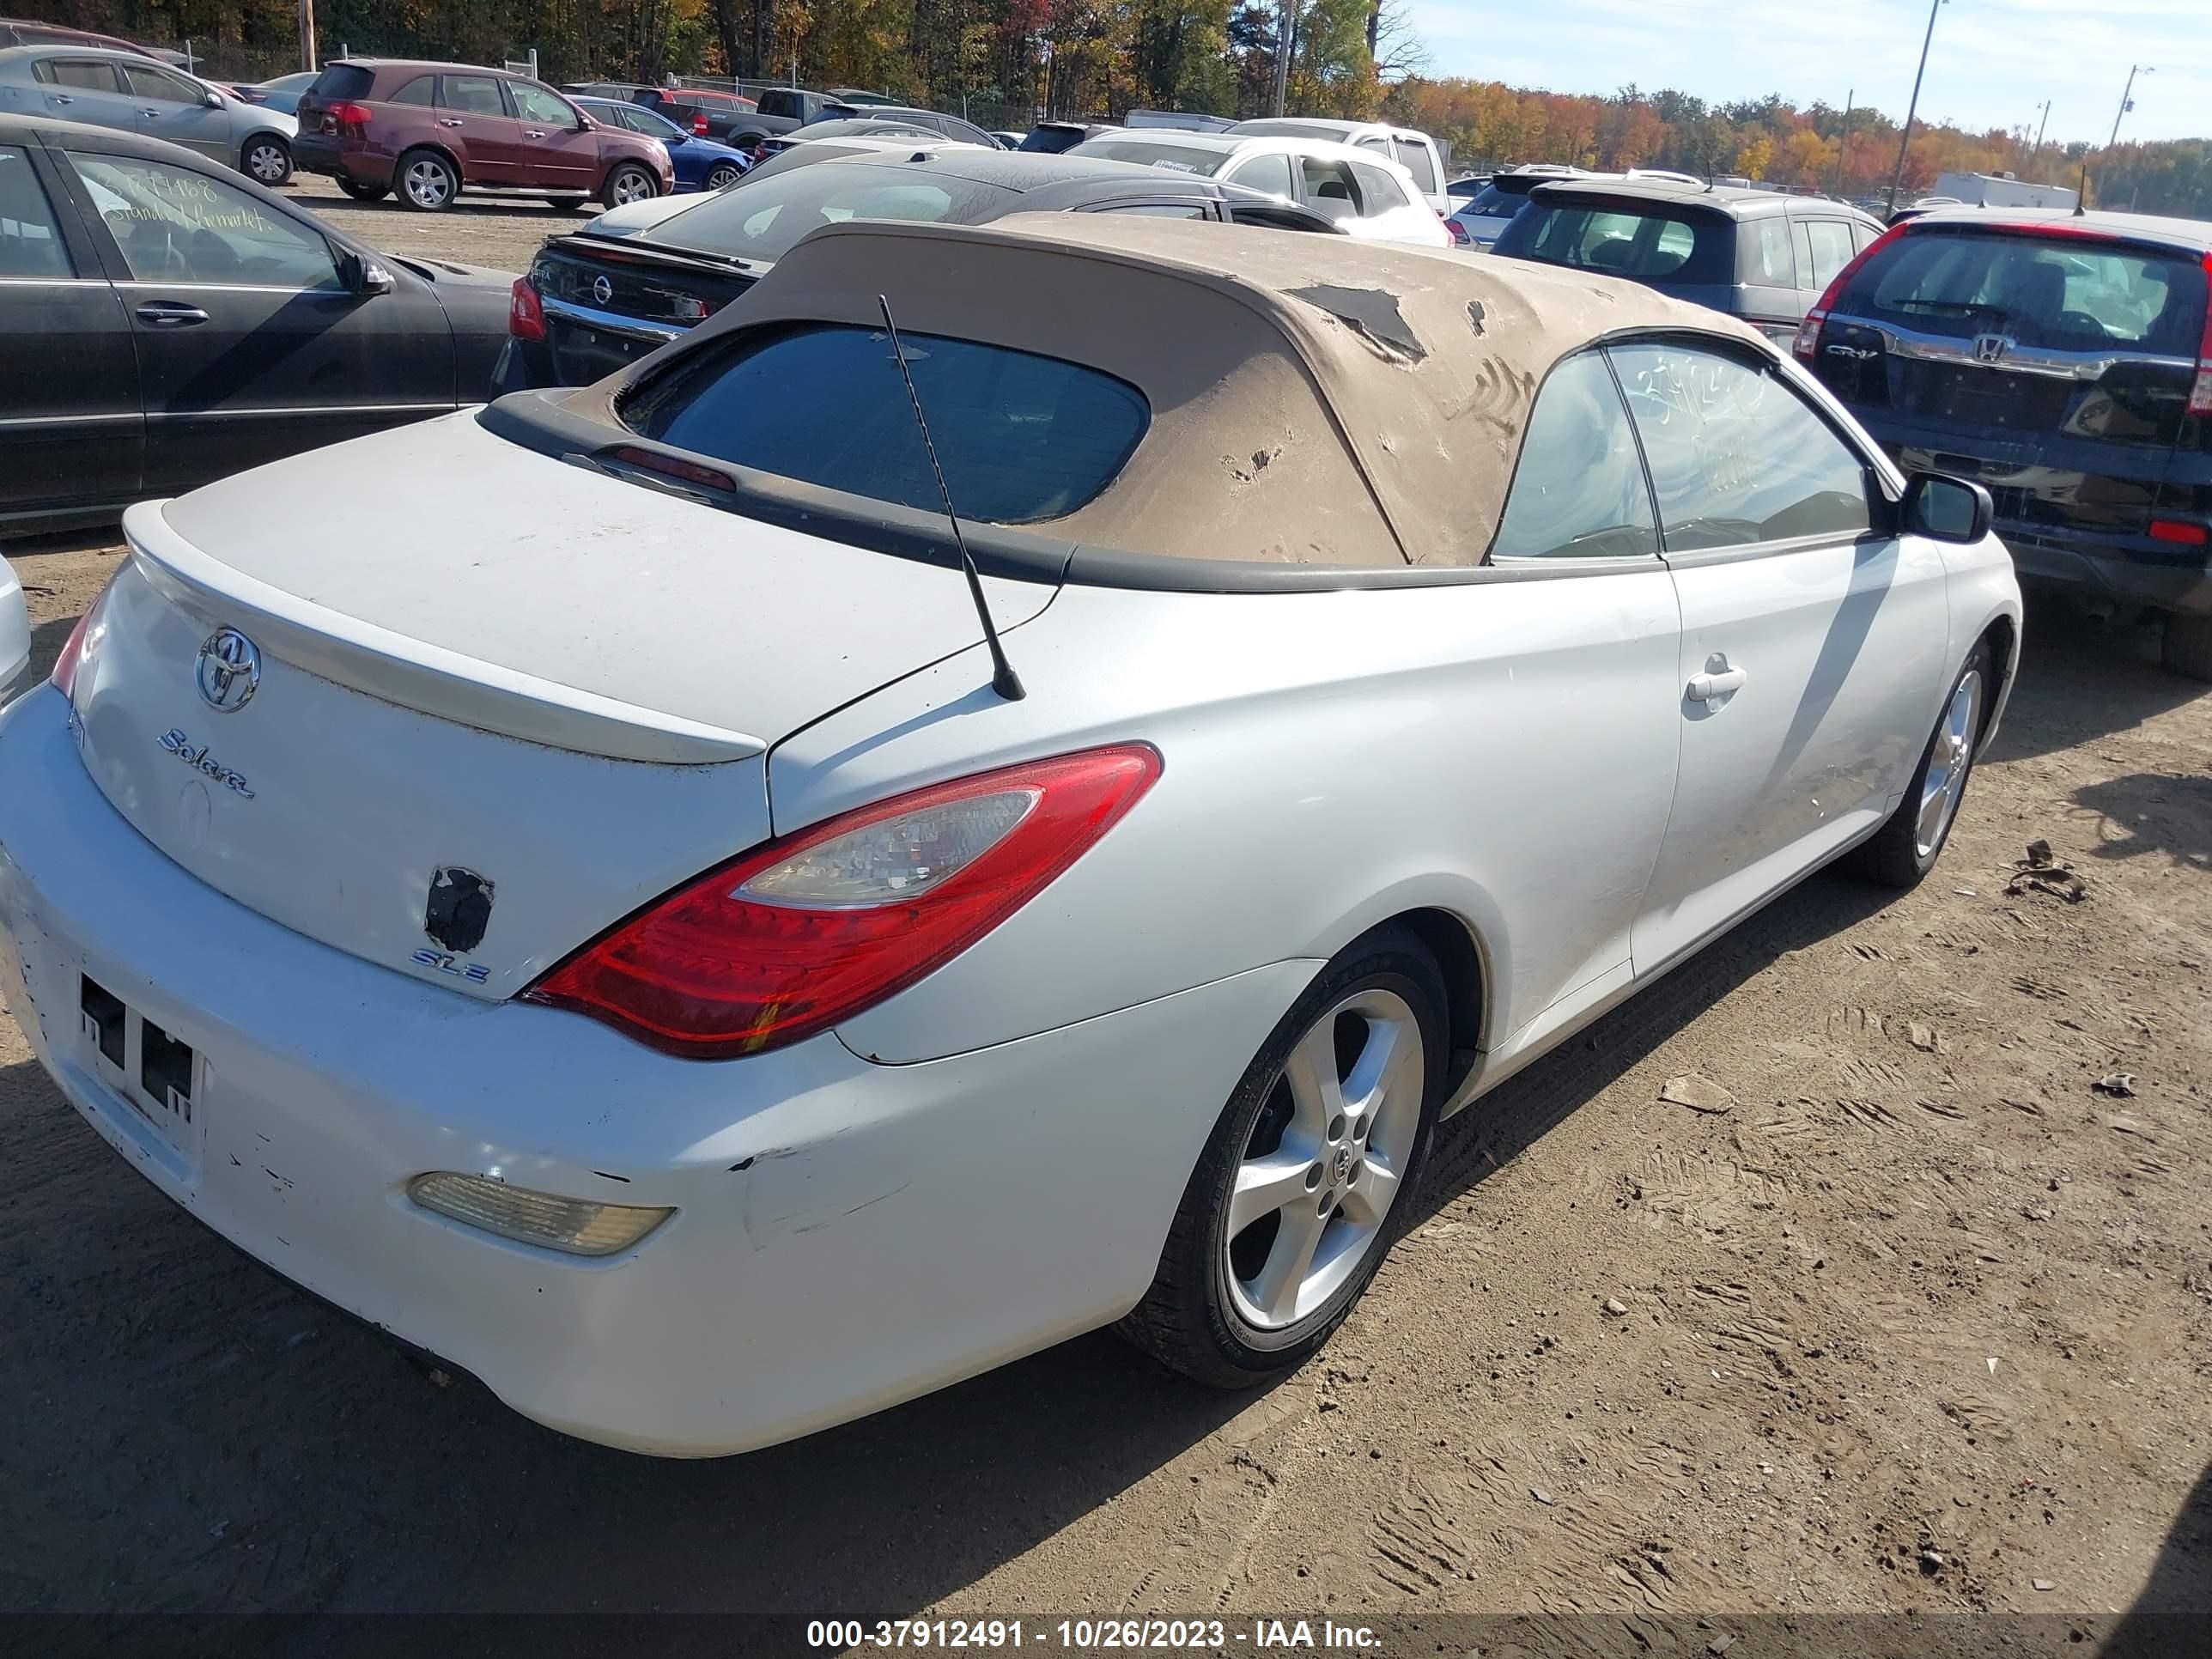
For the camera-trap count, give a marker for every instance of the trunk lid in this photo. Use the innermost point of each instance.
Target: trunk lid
(504, 702)
(608, 305)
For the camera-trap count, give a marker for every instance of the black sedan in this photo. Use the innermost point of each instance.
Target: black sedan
(168, 322)
(600, 299)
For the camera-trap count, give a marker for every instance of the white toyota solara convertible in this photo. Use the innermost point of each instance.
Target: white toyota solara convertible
(599, 910)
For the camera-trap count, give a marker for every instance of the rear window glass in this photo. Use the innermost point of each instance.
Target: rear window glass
(1619, 240)
(762, 220)
(2065, 292)
(1022, 437)
(341, 82)
(1178, 158)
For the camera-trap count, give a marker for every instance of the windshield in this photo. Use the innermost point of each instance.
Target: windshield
(761, 220)
(2070, 293)
(1021, 437)
(1178, 158)
(1650, 245)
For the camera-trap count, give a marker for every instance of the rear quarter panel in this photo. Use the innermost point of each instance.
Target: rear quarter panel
(1331, 760)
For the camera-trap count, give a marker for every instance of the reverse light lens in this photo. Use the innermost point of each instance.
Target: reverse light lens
(898, 858)
(576, 1226)
(811, 929)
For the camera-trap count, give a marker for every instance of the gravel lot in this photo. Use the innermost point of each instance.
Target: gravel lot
(1923, 1321)
(503, 234)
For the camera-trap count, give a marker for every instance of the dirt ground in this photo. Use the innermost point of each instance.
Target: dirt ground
(1923, 1321)
(502, 233)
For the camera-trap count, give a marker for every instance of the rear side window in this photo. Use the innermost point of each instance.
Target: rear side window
(1022, 437)
(1414, 157)
(1831, 243)
(1379, 191)
(477, 94)
(89, 74)
(1329, 187)
(421, 90)
(1270, 172)
(2065, 292)
(1650, 245)
(30, 240)
(1766, 261)
(1736, 457)
(341, 82)
(1579, 490)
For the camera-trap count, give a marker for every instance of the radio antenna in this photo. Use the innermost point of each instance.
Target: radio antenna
(1004, 680)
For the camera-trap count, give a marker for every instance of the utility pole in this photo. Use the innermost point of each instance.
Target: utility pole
(2127, 98)
(1897, 180)
(2039, 127)
(1844, 141)
(1285, 30)
(307, 36)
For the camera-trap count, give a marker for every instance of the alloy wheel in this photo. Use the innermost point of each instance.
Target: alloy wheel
(1324, 1164)
(1948, 761)
(631, 185)
(426, 184)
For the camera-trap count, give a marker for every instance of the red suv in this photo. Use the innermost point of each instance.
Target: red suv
(428, 131)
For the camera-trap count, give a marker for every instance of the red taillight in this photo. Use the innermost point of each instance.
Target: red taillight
(698, 123)
(2199, 393)
(2180, 532)
(1460, 237)
(350, 117)
(810, 929)
(1808, 342)
(525, 314)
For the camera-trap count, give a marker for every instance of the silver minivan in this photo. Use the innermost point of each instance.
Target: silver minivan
(133, 93)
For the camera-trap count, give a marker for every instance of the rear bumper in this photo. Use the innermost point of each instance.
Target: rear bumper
(846, 1235)
(2088, 560)
(316, 152)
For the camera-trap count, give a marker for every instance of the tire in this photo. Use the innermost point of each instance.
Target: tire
(722, 175)
(745, 141)
(266, 158)
(361, 191)
(1903, 850)
(627, 181)
(1235, 1311)
(2187, 648)
(426, 181)
(568, 204)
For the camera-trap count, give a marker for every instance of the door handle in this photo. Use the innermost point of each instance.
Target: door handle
(1719, 680)
(170, 313)
(152, 113)
(532, 132)
(447, 121)
(59, 98)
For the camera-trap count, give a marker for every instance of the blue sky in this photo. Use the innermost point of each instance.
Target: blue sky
(1993, 62)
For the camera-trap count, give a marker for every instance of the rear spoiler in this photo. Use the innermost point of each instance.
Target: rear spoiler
(412, 673)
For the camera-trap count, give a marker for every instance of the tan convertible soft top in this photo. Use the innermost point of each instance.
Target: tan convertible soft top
(1315, 399)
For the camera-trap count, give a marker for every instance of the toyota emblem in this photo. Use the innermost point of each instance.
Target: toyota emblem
(229, 671)
(602, 290)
